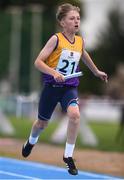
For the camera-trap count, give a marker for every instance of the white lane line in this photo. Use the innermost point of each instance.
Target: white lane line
(18, 175)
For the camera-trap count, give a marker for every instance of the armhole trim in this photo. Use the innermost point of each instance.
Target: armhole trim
(56, 42)
(83, 45)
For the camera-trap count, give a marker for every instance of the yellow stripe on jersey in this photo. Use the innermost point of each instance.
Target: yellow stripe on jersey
(63, 43)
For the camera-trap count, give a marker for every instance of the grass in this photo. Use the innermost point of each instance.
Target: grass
(105, 132)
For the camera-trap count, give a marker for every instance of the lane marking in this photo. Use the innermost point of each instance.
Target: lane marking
(58, 169)
(18, 175)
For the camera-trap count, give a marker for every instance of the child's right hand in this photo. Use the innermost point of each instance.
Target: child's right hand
(58, 77)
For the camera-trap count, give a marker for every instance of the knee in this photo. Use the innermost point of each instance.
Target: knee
(41, 124)
(74, 117)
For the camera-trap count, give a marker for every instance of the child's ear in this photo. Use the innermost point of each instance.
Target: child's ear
(62, 23)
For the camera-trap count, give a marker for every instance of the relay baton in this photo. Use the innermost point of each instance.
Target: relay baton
(73, 75)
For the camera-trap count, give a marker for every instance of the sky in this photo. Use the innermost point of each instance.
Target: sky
(96, 12)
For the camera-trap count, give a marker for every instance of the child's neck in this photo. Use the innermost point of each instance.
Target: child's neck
(69, 36)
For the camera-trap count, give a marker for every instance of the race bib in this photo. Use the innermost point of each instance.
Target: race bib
(68, 62)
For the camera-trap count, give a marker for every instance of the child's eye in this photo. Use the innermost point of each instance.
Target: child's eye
(71, 18)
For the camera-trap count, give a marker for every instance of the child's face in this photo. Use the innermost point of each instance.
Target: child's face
(71, 22)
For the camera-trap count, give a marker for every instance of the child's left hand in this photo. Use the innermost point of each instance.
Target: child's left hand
(102, 75)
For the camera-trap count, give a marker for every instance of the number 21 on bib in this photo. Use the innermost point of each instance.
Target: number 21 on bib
(68, 62)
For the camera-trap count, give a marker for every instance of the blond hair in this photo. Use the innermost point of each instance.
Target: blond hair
(64, 9)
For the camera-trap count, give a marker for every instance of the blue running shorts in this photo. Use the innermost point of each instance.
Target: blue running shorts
(51, 95)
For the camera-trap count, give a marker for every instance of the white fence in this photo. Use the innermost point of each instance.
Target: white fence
(102, 110)
(97, 109)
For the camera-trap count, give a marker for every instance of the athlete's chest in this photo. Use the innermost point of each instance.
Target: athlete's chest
(68, 61)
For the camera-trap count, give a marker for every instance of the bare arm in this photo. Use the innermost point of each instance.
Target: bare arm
(90, 64)
(44, 54)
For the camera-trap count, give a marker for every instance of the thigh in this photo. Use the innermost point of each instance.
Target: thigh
(47, 103)
(70, 96)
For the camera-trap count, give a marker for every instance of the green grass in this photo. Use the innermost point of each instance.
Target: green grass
(105, 132)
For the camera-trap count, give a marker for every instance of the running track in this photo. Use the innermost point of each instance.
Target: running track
(22, 169)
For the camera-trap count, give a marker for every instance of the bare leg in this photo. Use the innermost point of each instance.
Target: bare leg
(37, 128)
(73, 124)
(72, 130)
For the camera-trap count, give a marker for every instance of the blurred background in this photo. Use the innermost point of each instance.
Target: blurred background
(25, 27)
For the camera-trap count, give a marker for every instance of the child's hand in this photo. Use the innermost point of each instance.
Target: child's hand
(102, 75)
(58, 77)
